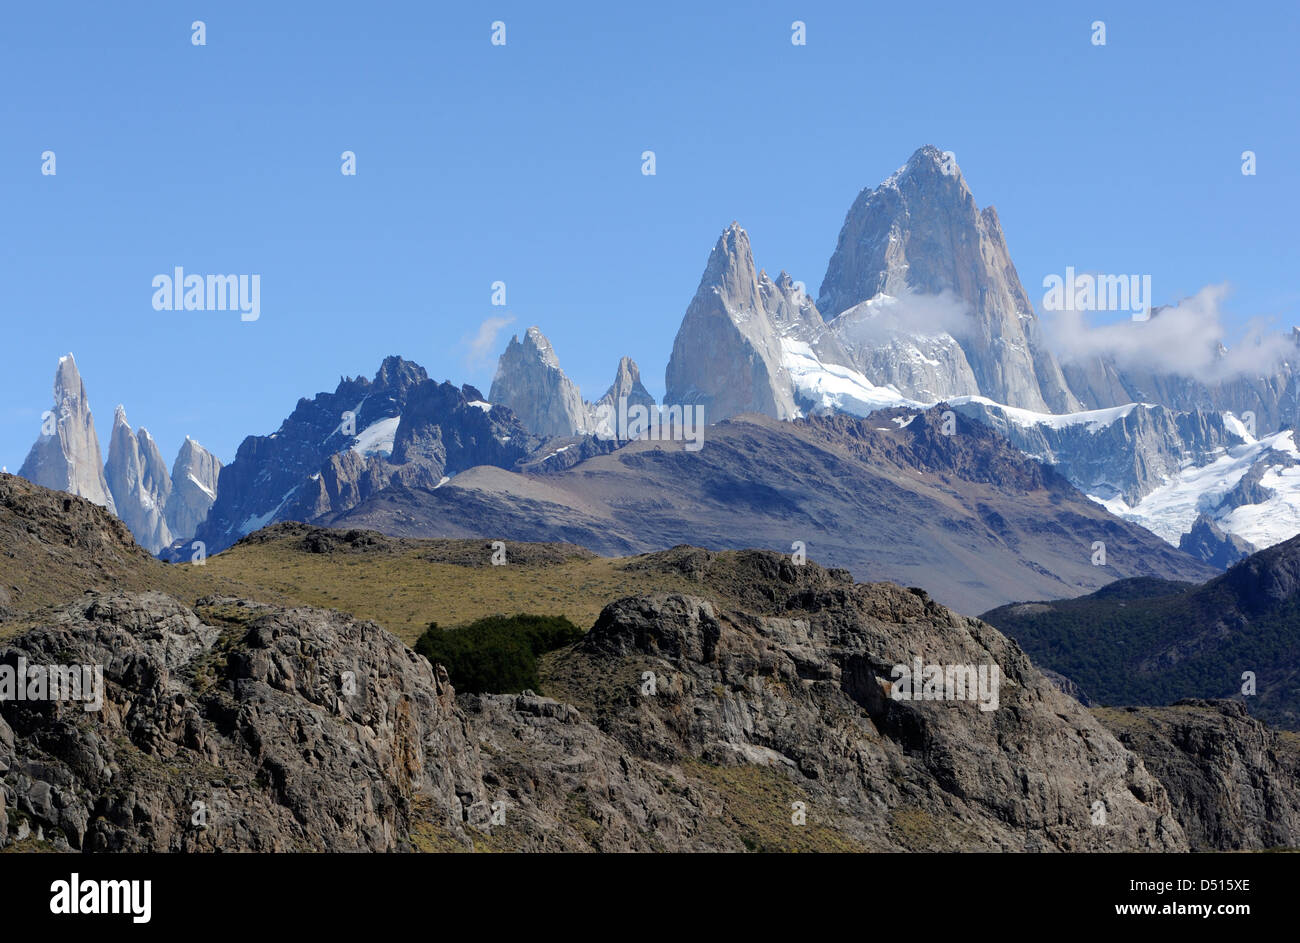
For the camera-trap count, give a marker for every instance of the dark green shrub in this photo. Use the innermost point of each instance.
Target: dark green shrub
(497, 654)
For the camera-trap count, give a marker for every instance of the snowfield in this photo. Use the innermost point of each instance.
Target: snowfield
(1095, 419)
(1170, 511)
(831, 387)
(377, 438)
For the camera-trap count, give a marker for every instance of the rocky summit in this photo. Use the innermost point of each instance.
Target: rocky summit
(195, 476)
(921, 304)
(921, 232)
(66, 456)
(337, 449)
(158, 508)
(530, 381)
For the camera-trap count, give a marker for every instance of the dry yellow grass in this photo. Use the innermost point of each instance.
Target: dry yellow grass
(404, 591)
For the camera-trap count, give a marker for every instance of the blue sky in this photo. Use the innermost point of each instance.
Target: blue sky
(523, 163)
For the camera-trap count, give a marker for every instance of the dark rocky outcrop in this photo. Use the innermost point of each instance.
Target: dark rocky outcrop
(251, 729)
(399, 430)
(1233, 782)
(1206, 541)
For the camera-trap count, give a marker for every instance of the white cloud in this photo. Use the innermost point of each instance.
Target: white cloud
(884, 317)
(482, 345)
(1183, 339)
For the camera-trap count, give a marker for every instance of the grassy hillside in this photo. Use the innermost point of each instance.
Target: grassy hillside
(54, 547)
(405, 584)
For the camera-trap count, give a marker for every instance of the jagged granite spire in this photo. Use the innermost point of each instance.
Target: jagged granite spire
(627, 385)
(921, 233)
(727, 355)
(139, 483)
(68, 457)
(530, 382)
(194, 488)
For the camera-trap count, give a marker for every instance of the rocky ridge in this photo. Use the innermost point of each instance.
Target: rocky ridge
(399, 429)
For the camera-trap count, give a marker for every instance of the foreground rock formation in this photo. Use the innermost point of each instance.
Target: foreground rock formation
(1233, 781)
(752, 708)
(300, 729)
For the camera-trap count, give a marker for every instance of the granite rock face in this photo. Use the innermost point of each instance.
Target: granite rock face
(920, 233)
(626, 386)
(928, 364)
(195, 475)
(139, 482)
(68, 458)
(920, 303)
(1231, 779)
(530, 381)
(1207, 541)
(134, 483)
(728, 355)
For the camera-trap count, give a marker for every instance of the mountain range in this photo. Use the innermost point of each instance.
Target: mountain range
(159, 507)
(921, 304)
(920, 308)
(964, 515)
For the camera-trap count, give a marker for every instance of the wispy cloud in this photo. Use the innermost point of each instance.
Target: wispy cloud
(1183, 339)
(884, 317)
(483, 344)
